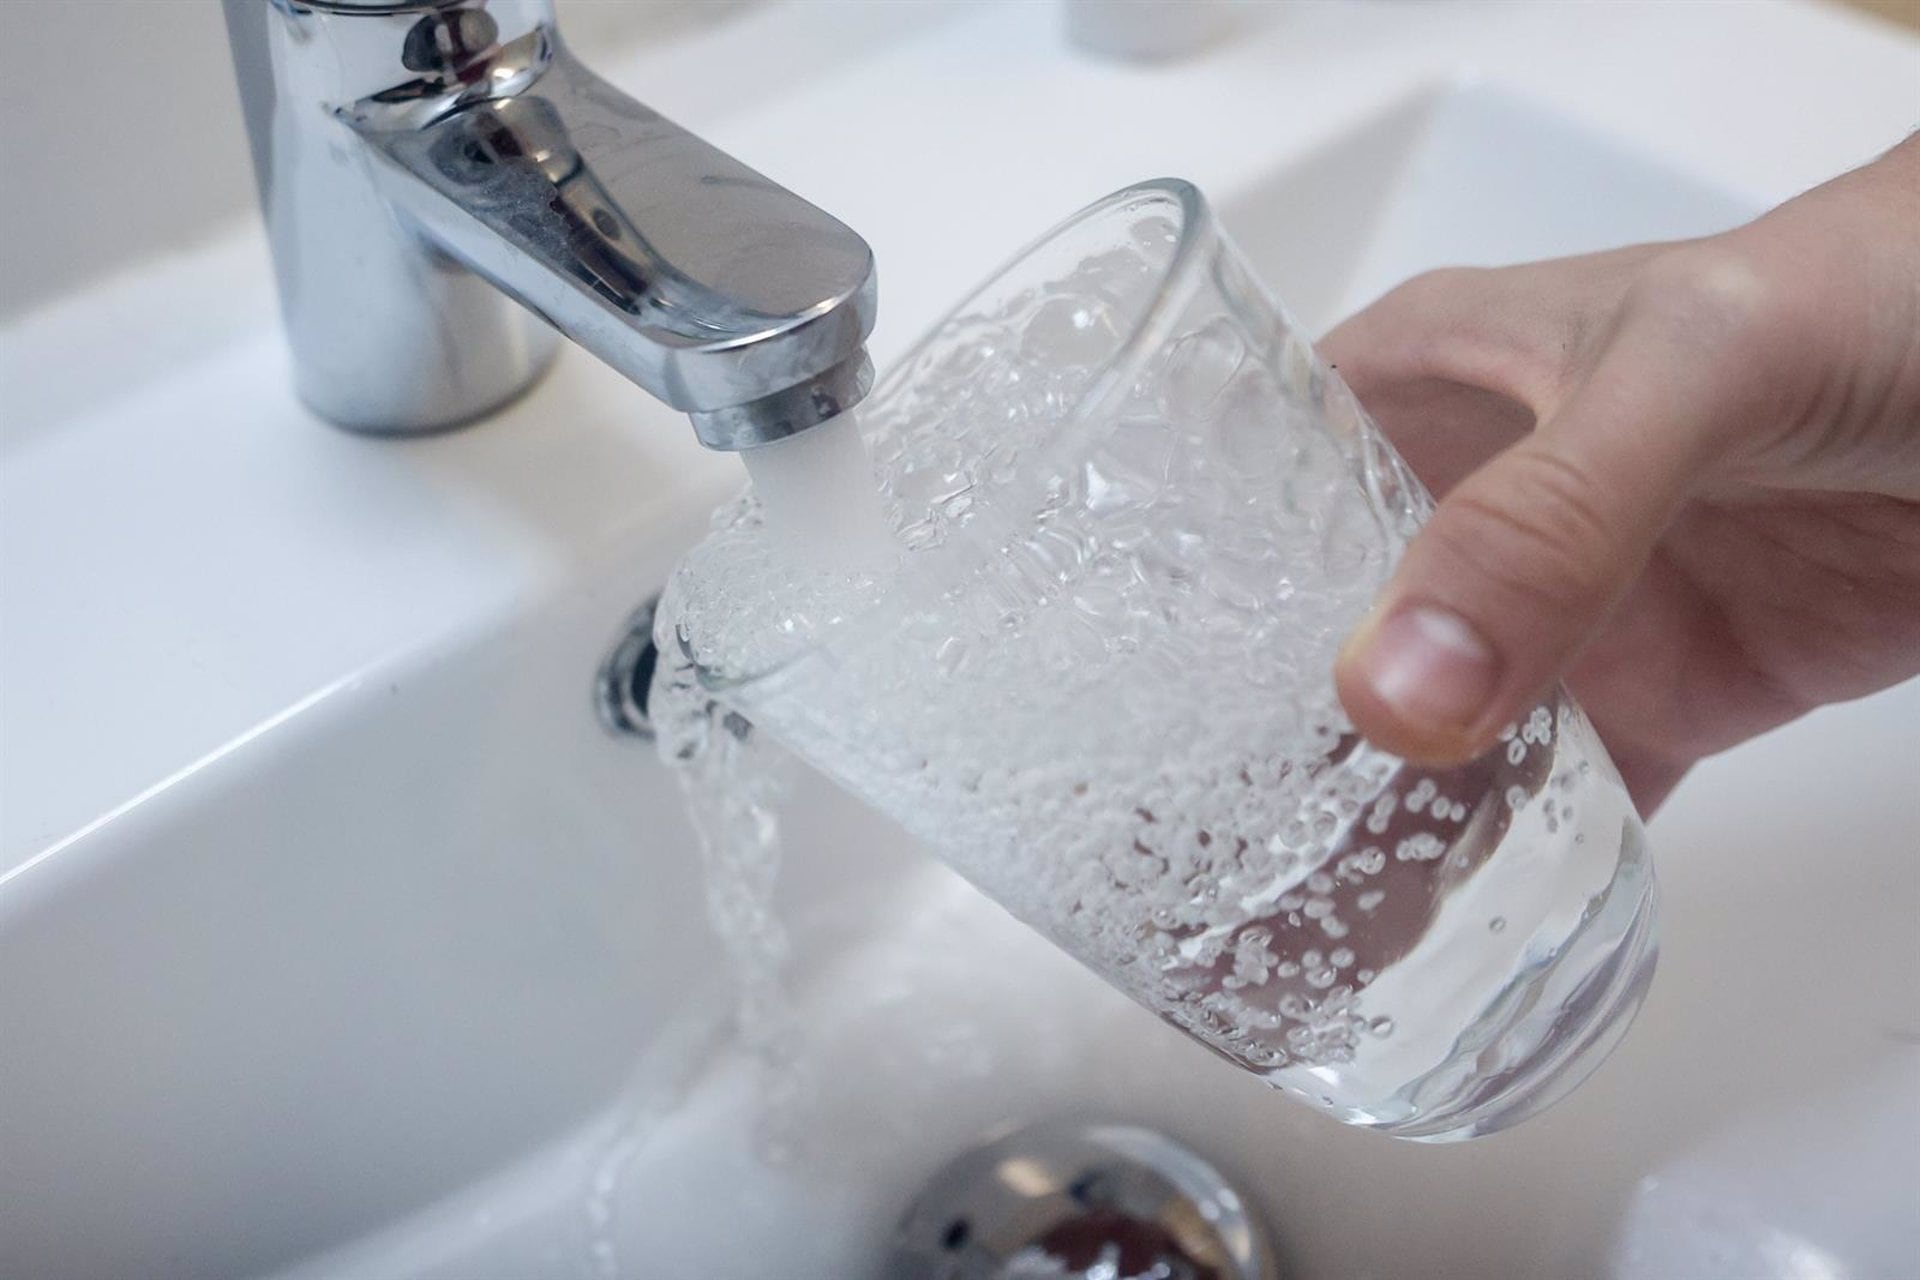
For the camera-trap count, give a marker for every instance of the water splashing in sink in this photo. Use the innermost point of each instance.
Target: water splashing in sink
(732, 791)
(817, 491)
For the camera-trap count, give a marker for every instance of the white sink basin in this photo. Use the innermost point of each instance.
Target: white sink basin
(1458, 174)
(338, 938)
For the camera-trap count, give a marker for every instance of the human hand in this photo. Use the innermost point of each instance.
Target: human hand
(1685, 477)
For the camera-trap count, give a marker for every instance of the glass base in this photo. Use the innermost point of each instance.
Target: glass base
(1587, 1023)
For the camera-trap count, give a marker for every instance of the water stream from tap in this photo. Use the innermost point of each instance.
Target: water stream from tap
(733, 790)
(822, 507)
(818, 498)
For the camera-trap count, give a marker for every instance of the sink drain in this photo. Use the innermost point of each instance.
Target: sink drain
(625, 678)
(1075, 1201)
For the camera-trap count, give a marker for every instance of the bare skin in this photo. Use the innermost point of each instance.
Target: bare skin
(1684, 477)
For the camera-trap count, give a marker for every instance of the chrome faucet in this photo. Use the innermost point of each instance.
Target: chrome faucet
(442, 181)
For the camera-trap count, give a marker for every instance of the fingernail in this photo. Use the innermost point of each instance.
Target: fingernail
(1430, 667)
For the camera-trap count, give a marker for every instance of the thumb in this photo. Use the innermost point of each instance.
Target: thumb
(1520, 565)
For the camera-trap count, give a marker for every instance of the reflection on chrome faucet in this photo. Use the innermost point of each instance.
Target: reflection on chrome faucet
(425, 166)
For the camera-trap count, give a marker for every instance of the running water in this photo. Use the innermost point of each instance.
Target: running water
(732, 792)
(821, 505)
(819, 497)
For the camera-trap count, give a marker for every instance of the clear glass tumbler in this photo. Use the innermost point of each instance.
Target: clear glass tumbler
(1138, 517)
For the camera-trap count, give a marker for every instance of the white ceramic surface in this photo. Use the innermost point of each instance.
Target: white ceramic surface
(336, 938)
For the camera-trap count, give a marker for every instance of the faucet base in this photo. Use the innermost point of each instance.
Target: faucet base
(524, 364)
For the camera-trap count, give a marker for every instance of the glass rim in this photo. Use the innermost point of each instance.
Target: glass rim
(1116, 373)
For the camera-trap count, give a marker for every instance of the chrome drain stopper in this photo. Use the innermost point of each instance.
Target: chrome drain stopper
(621, 685)
(1075, 1201)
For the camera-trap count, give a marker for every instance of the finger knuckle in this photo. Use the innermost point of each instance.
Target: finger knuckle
(1711, 296)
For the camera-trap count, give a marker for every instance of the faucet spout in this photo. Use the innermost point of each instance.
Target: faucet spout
(472, 156)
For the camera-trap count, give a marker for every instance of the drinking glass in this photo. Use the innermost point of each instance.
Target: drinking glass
(1138, 516)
